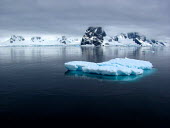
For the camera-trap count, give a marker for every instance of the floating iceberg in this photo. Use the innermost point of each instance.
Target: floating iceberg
(114, 67)
(88, 76)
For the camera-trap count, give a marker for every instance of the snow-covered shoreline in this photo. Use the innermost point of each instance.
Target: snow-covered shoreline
(56, 43)
(126, 40)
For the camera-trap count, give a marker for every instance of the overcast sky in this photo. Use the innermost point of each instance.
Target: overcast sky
(52, 17)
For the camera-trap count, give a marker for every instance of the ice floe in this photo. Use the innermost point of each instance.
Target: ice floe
(89, 76)
(116, 67)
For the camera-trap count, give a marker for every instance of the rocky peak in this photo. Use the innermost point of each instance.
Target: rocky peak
(136, 35)
(16, 38)
(63, 40)
(93, 35)
(36, 39)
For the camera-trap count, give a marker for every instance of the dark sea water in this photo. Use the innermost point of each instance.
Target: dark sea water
(34, 84)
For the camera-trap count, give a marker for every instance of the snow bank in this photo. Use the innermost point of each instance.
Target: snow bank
(118, 66)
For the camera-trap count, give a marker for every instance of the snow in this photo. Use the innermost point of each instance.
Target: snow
(122, 42)
(116, 67)
(119, 40)
(77, 65)
(38, 41)
(115, 70)
(131, 39)
(130, 63)
(144, 43)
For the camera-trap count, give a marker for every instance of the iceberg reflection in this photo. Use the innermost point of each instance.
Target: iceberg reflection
(130, 78)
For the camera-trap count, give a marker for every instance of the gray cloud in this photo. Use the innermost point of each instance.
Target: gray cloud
(150, 17)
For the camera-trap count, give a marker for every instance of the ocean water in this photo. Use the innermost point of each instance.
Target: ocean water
(34, 84)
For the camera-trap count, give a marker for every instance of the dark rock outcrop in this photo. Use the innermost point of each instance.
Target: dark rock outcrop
(63, 40)
(16, 38)
(37, 39)
(93, 35)
(136, 35)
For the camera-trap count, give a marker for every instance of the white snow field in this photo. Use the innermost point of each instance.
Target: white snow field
(116, 67)
(38, 41)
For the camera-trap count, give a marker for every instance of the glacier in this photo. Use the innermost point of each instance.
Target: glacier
(114, 67)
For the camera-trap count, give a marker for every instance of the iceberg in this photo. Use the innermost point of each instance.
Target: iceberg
(88, 76)
(114, 67)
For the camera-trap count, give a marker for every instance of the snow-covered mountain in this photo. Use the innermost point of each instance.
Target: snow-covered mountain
(131, 39)
(39, 41)
(128, 39)
(68, 40)
(15, 38)
(93, 36)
